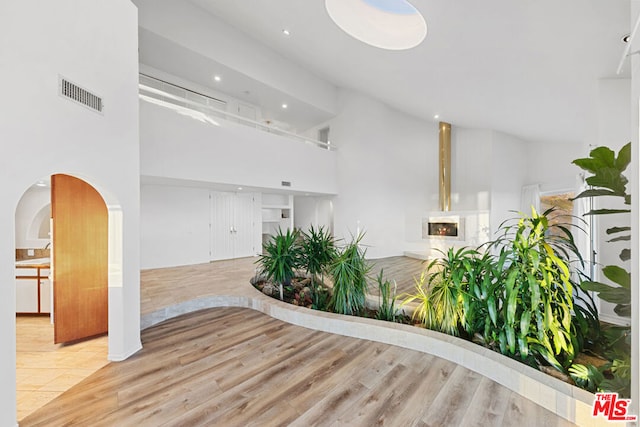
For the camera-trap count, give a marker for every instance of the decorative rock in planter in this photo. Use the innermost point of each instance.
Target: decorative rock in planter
(270, 289)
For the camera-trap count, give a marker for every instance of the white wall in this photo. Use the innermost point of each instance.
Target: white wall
(312, 210)
(471, 157)
(33, 208)
(508, 173)
(92, 43)
(229, 153)
(387, 173)
(174, 225)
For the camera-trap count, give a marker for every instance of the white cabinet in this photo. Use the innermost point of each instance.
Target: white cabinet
(232, 225)
(27, 295)
(33, 290)
(46, 296)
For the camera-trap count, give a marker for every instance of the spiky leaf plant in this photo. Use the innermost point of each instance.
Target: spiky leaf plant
(349, 271)
(280, 258)
(317, 250)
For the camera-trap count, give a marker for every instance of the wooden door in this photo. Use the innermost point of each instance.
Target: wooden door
(80, 257)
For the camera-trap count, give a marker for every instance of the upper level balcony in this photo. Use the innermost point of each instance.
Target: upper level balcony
(185, 135)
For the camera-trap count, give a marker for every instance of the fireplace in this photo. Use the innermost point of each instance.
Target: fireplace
(449, 227)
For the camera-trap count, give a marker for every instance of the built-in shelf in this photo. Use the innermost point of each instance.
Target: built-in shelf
(277, 213)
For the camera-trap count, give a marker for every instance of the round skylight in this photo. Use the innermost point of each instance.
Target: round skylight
(387, 24)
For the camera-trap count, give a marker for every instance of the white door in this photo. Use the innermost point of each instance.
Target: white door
(244, 242)
(232, 232)
(221, 226)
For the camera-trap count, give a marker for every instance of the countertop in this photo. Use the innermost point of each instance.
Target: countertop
(34, 263)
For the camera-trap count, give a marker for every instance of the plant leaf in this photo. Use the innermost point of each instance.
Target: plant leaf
(618, 275)
(624, 157)
(625, 254)
(614, 230)
(607, 211)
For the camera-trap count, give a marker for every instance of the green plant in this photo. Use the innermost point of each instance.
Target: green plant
(318, 249)
(536, 314)
(462, 292)
(587, 377)
(349, 271)
(387, 301)
(424, 311)
(280, 258)
(608, 180)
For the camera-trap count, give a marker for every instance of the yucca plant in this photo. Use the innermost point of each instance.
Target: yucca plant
(387, 299)
(349, 271)
(317, 251)
(280, 258)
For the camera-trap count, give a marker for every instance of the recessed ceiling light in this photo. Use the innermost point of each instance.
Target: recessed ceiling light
(394, 25)
(41, 183)
(239, 188)
(285, 106)
(437, 116)
(286, 32)
(626, 38)
(217, 78)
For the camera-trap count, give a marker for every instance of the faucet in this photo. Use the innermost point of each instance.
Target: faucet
(47, 245)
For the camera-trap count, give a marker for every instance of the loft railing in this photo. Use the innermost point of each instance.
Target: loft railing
(206, 108)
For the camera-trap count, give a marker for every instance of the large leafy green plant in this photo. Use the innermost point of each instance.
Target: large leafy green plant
(536, 316)
(461, 290)
(280, 258)
(608, 180)
(349, 271)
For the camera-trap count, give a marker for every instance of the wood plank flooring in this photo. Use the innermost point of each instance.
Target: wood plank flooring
(401, 270)
(238, 367)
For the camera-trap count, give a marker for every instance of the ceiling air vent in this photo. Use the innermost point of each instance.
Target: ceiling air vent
(82, 96)
(286, 183)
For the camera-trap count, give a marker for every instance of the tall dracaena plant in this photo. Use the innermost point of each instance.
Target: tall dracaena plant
(536, 314)
(607, 180)
(280, 258)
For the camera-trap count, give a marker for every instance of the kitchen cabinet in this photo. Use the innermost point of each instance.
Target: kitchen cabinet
(33, 288)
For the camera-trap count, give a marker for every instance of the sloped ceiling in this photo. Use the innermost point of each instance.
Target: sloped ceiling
(528, 68)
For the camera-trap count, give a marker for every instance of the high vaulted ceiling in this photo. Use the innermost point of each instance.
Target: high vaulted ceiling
(528, 68)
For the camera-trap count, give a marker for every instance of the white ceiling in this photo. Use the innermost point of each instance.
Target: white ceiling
(528, 68)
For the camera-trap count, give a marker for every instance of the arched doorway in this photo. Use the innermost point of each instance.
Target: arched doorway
(81, 255)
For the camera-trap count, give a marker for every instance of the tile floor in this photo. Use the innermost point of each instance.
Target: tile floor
(45, 370)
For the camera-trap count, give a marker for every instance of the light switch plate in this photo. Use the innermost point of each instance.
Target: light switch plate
(31, 252)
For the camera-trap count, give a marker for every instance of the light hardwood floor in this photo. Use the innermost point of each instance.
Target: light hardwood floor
(235, 366)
